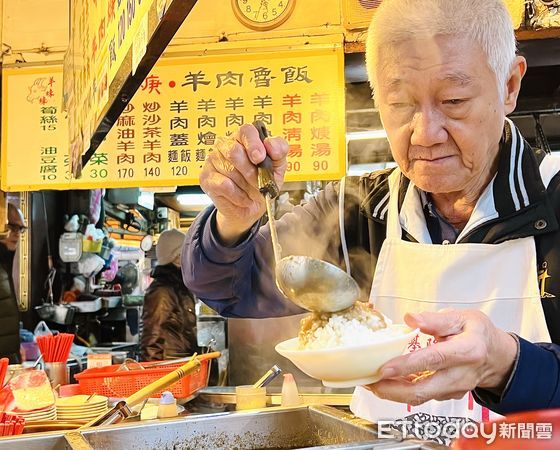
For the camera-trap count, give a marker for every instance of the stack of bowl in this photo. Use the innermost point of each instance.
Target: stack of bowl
(80, 407)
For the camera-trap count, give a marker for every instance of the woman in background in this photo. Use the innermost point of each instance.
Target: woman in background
(169, 309)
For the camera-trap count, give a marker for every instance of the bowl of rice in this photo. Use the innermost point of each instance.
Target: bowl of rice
(347, 348)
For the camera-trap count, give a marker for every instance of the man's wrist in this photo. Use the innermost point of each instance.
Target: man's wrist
(228, 234)
(507, 352)
(214, 249)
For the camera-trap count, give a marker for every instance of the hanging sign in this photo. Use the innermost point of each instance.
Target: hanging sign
(169, 127)
(101, 34)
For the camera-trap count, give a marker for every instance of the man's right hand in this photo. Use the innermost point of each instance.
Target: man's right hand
(229, 177)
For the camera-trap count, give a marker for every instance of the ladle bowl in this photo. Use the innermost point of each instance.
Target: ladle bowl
(310, 283)
(316, 285)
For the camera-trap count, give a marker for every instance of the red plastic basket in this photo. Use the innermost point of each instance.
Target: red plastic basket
(107, 381)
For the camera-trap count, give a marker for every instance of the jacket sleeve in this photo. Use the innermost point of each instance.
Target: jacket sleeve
(239, 281)
(535, 382)
(158, 307)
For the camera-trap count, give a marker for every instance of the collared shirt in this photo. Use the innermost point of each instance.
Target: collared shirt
(441, 231)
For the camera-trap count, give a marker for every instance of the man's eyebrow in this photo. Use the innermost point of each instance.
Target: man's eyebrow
(393, 83)
(460, 78)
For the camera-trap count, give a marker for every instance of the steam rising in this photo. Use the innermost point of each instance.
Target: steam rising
(316, 233)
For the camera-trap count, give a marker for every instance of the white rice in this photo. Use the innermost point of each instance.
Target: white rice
(340, 331)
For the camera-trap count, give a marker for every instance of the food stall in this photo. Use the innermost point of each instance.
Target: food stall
(117, 121)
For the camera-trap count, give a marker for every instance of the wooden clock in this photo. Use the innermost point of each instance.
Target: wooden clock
(262, 14)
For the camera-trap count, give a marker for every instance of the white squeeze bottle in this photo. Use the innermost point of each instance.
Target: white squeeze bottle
(290, 394)
(167, 406)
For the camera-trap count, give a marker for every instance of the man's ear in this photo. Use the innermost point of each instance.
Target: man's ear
(513, 84)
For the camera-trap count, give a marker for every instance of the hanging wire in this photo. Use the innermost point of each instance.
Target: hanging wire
(52, 270)
(47, 229)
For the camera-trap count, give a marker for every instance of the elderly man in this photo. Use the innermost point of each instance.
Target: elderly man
(465, 221)
(9, 313)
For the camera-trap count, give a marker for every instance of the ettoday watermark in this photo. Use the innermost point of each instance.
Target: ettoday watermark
(490, 431)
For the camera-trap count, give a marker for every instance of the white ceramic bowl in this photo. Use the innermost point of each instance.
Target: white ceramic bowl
(348, 366)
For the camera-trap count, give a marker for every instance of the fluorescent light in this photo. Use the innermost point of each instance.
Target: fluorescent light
(200, 200)
(370, 134)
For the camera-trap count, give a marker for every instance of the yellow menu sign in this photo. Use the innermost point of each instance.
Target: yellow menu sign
(102, 32)
(170, 126)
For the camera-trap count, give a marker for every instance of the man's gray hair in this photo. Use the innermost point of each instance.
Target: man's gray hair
(486, 22)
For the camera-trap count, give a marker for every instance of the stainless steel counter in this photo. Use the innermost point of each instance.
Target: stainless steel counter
(310, 396)
(317, 427)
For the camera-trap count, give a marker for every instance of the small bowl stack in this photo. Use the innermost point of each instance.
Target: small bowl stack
(77, 407)
(37, 415)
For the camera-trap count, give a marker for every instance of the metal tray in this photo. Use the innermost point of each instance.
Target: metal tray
(312, 427)
(87, 306)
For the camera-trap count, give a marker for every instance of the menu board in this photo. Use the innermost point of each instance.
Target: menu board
(101, 34)
(170, 126)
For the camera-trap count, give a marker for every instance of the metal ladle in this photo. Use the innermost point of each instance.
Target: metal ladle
(310, 283)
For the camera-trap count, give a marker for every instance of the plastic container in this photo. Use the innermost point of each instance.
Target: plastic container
(91, 246)
(30, 350)
(290, 394)
(70, 247)
(12, 371)
(95, 360)
(167, 406)
(31, 390)
(249, 397)
(110, 382)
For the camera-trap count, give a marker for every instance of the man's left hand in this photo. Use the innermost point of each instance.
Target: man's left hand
(470, 352)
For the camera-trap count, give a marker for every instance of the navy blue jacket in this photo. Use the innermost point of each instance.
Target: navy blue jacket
(535, 382)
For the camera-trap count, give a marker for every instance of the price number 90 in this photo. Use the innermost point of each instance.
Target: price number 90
(320, 165)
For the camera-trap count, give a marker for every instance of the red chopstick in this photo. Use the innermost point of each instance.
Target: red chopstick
(55, 348)
(3, 368)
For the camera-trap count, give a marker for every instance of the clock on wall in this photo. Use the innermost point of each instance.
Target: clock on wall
(263, 14)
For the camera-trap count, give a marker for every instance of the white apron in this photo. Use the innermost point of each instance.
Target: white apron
(497, 279)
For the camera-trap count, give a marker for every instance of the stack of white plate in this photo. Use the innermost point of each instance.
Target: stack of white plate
(36, 415)
(77, 407)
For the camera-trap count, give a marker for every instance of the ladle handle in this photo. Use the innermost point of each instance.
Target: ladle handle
(265, 175)
(268, 188)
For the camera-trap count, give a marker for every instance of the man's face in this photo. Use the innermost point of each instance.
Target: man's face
(15, 227)
(439, 103)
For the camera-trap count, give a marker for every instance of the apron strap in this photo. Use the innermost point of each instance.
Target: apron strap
(394, 230)
(341, 196)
